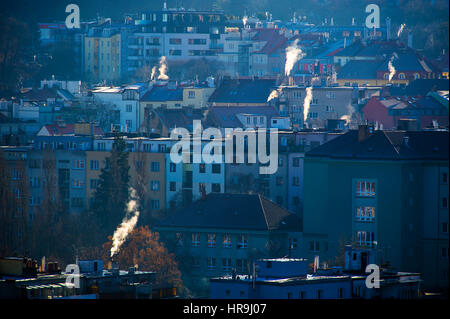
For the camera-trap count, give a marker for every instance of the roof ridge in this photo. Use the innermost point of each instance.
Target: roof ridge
(264, 211)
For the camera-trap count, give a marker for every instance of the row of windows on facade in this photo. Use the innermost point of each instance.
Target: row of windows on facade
(240, 265)
(226, 239)
(174, 41)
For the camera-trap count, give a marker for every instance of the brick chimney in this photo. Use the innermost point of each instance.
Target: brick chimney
(364, 131)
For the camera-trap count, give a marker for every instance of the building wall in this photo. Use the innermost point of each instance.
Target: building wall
(102, 57)
(330, 203)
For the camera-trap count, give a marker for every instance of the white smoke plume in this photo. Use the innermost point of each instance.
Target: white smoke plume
(127, 225)
(348, 117)
(163, 69)
(400, 30)
(391, 69)
(274, 94)
(293, 55)
(152, 77)
(307, 102)
(244, 21)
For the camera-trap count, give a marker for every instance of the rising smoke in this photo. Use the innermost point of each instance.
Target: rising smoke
(274, 94)
(152, 77)
(244, 21)
(307, 103)
(348, 117)
(293, 55)
(163, 69)
(391, 68)
(400, 30)
(127, 225)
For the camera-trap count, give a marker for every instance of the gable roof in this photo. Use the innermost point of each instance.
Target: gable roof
(388, 145)
(162, 94)
(234, 211)
(357, 69)
(223, 116)
(419, 87)
(243, 91)
(66, 129)
(172, 118)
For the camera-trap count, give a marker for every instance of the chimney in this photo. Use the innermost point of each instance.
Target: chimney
(410, 40)
(363, 132)
(388, 28)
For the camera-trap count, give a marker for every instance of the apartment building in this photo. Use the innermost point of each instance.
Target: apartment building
(396, 183)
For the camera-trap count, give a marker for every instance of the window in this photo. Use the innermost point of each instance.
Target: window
(444, 178)
(129, 108)
(386, 76)
(216, 168)
(35, 182)
(175, 41)
(76, 183)
(78, 164)
(289, 295)
(296, 161)
(365, 238)
(211, 263)
(302, 295)
(201, 187)
(314, 246)
(94, 164)
(226, 264)
(191, 94)
(154, 166)
(445, 227)
(211, 240)
(296, 201)
(202, 168)
(172, 167)
(154, 185)
(295, 181)
(401, 76)
(365, 213)
(179, 239)
(292, 243)
(444, 252)
(242, 265)
(175, 52)
(129, 124)
(444, 202)
(172, 186)
(365, 189)
(195, 240)
(215, 188)
(242, 242)
(154, 204)
(279, 180)
(226, 242)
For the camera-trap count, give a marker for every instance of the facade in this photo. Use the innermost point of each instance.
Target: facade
(286, 278)
(103, 54)
(396, 185)
(222, 232)
(326, 103)
(426, 111)
(124, 101)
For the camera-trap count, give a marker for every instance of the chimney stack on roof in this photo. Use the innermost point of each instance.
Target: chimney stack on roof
(364, 131)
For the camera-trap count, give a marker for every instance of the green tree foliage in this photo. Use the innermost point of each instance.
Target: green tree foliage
(112, 193)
